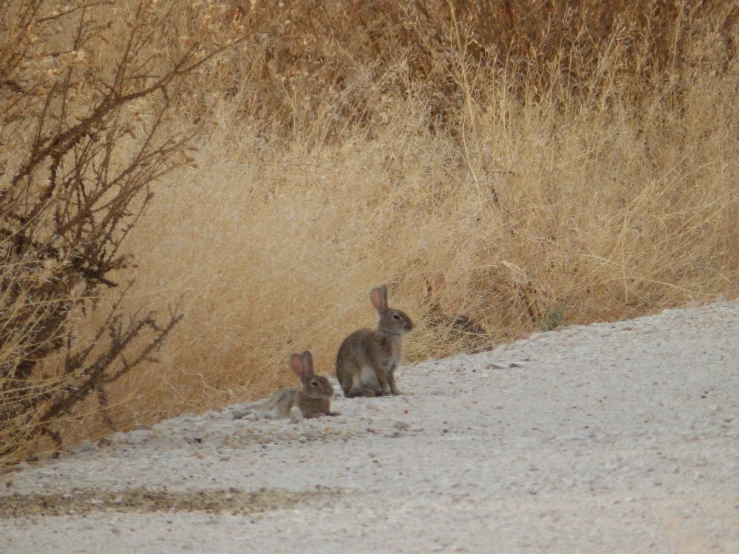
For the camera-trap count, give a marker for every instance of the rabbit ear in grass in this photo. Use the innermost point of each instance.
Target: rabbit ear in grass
(430, 288)
(378, 297)
(439, 282)
(298, 365)
(308, 363)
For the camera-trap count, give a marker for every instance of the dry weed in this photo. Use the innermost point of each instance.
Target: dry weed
(557, 162)
(538, 216)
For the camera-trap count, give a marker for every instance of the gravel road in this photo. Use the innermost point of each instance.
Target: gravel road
(619, 437)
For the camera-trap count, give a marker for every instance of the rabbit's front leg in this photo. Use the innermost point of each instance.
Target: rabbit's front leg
(392, 383)
(382, 377)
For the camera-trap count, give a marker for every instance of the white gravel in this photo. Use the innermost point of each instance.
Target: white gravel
(618, 437)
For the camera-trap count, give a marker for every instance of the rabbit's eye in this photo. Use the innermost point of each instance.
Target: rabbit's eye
(315, 383)
(396, 316)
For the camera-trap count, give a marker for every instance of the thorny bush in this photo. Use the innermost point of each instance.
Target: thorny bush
(85, 130)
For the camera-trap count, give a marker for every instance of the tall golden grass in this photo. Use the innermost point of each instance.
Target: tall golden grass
(562, 163)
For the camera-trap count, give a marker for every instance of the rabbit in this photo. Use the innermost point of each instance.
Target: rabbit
(367, 359)
(464, 331)
(313, 400)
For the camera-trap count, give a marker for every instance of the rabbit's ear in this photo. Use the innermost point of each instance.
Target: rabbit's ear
(298, 366)
(308, 363)
(432, 288)
(439, 282)
(378, 297)
(427, 288)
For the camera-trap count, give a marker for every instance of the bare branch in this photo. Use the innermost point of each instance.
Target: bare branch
(75, 181)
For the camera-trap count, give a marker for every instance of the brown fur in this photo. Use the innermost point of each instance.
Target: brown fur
(470, 336)
(313, 400)
(367, 359)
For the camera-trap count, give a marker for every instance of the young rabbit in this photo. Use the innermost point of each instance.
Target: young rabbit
(313, 400)
(367, 359)
(468, 335)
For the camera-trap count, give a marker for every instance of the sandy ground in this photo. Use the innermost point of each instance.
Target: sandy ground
(616, 437)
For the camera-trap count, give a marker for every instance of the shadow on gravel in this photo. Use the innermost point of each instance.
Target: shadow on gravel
(142, 500)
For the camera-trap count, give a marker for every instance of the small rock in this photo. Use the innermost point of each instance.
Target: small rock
(401, 425)
(199, 434)
(137, 437)
(86, 446)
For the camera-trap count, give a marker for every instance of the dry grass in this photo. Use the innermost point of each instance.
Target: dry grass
(76, 160)
(543, 196)
(536, 212)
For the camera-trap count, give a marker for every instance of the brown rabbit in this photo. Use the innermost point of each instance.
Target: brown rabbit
(367, 359)
(463, 331)
(314, 400)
